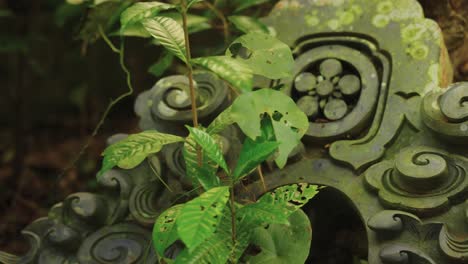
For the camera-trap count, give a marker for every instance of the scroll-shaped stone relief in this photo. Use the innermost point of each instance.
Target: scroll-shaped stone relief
(421, 180)
(166, 107)
(445, 112)
(404, 238)
(124, 243)
(405, 55)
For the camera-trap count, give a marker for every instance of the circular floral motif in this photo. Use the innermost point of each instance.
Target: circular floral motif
(327, 90)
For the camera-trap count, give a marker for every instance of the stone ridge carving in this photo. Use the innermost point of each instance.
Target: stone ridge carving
(446, 113)
(391, 147)
(421, 180)
(166, 107)
(412, 46)
(336, 108)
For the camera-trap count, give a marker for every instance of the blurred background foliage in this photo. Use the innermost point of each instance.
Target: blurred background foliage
(57, 77)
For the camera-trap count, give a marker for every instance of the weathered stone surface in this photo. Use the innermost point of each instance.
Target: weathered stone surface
(385, 133)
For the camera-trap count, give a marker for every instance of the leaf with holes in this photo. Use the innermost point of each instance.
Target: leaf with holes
(263, 54)
(288, 121)
(252, 154)
(168, 33)
(164, 229)
(200, 217)
(248, 24)
(221, 122)
(260, 213)
(131, 151)
(204, 174)
(235, 72)
(209, 146)
(282, 244)
(292, 196)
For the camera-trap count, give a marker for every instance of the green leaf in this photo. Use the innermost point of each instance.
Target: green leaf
(141, 11)
(204, 174)
(248, 24)
(221, 122)
(195, 23)
(292, 196)
(244, 4)
(169, 34)
(236, 72)
(65, 12)
(264, 55)
(131, 151)
(214, 250)
(104, 15)
(288, 121)
(200, 217)
(252, 154)
(281, 244)
(163, 63)
(260, 213)
(209, 146)
(164, 229)
(98, 2)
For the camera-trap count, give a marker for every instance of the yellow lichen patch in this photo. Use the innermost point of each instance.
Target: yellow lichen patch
(380, 20)
(345, 18)
(413, 32)
(357, 10)
(418, 50)
(311, 20)
(405, 10)
(333, 24)
(385, 7)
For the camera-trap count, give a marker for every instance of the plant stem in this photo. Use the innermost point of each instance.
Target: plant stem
(189, 66)
(233, 217)
(220, 15)
(262, 179)
(190, 76)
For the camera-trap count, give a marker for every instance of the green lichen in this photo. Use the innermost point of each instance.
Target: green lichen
(333, 24)
(345, 18)
(380, 20)
(405, 10)
(385, 7)
(311, 20)
(418, 50)
(357, 10)
(412, 32)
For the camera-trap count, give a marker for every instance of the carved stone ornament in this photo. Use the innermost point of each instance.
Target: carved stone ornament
(387, 139)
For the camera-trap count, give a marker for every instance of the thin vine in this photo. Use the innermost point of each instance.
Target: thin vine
(113, 102)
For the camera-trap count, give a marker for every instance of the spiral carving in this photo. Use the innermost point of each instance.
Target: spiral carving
(143, 203)
(454, 103)
(167, 106)
(446, 113)
(123, 243)
(421, 180)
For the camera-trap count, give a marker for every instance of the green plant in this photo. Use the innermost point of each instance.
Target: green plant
(213, 227)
